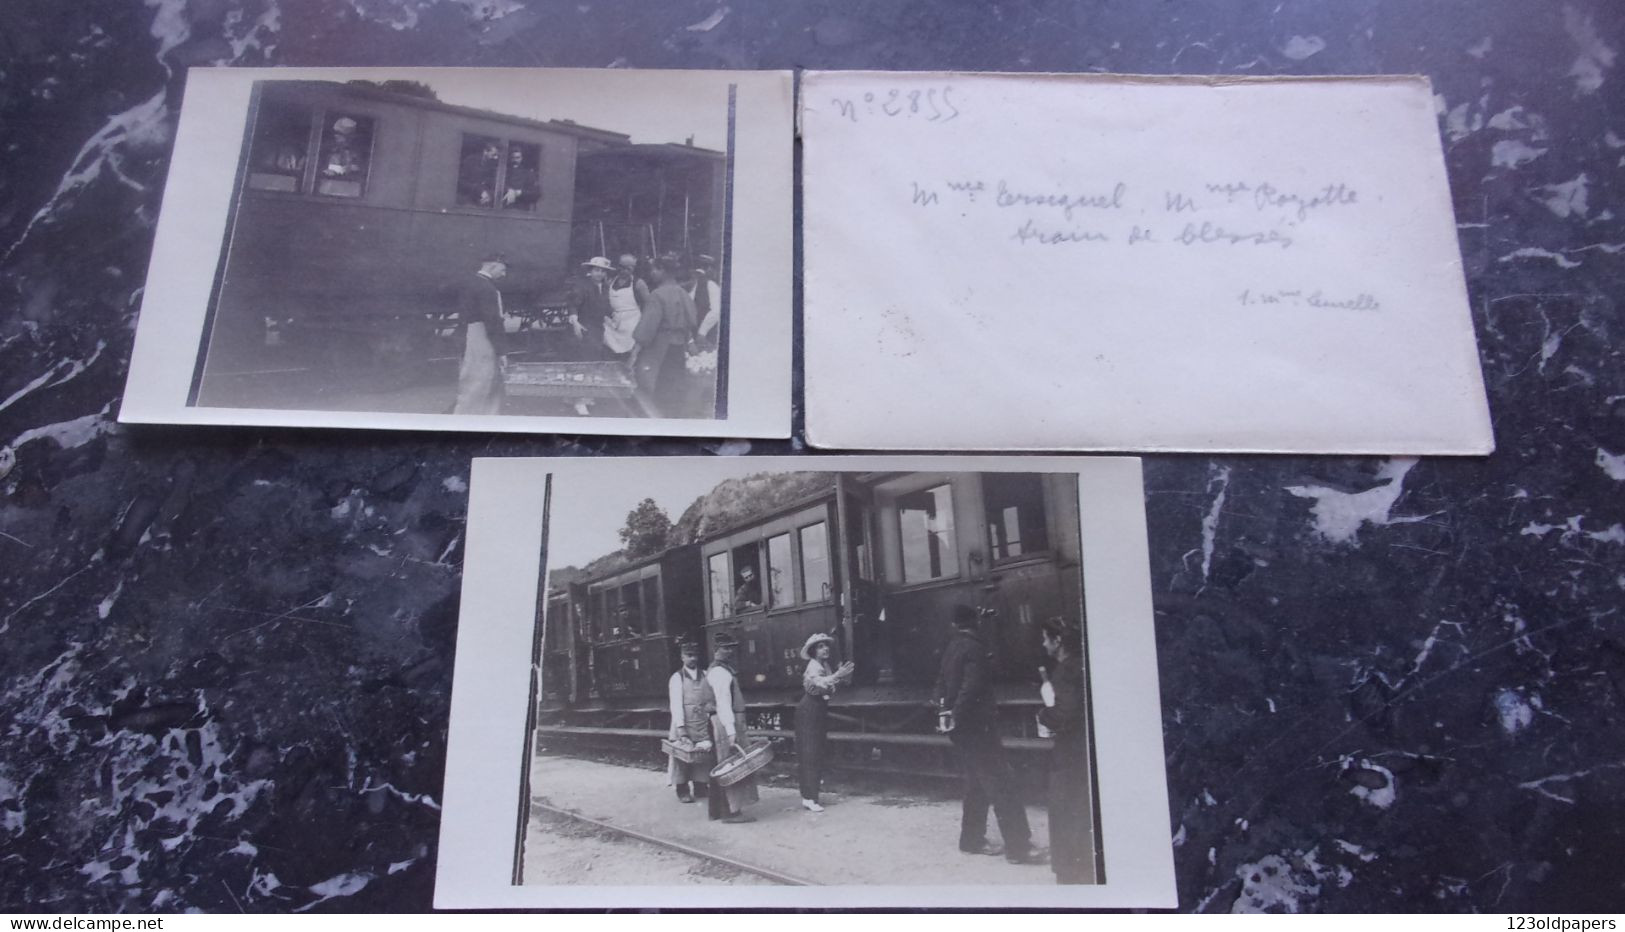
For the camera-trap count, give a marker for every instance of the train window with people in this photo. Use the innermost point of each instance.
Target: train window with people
(780, 589)
(345, 155)
(926, 519)
(477, 170)
(281, 144)
(631, 613)
(815, 579)
(718, 581)
(1015, 515)
(503, 174)
(522, 181)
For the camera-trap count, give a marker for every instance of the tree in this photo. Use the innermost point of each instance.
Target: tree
(408, 88)
(647, 530)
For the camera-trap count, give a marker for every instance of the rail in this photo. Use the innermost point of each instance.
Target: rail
(856, 737)
(679, 847)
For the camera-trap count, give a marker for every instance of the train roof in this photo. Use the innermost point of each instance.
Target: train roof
(607, 136)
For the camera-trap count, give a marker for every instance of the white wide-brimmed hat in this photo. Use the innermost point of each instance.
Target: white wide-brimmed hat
(812, 642)
(599, 262)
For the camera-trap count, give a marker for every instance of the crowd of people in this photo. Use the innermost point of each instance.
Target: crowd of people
(708, 713)
(660, 318)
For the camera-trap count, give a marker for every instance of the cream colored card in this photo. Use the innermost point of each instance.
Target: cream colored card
(321, 226)
(556, 791)
(1098, 262)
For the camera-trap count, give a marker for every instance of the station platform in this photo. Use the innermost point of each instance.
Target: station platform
(858, 839)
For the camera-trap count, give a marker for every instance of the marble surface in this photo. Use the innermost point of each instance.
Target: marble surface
(1387, 684)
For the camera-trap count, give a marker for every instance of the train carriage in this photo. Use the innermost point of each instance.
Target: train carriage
(879, 560)
(618, 631)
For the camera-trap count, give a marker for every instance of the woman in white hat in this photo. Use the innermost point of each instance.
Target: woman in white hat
(819, 683)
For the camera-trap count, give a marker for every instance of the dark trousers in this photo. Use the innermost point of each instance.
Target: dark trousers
(988, 781)
(812, 725)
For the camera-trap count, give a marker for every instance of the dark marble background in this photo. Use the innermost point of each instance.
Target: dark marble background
(225, 655)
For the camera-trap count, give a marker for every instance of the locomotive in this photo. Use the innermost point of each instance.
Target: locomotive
(877, 560)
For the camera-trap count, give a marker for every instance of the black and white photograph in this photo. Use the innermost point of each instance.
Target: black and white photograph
(747, 674)
(551, 249)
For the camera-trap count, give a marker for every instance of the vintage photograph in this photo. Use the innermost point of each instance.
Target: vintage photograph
(442, 245)
(812, 678)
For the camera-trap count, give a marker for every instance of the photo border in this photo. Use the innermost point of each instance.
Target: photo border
(200, 207)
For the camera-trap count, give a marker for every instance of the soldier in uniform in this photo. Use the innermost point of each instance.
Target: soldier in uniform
(727, 803)
(965, 693)
(692, 704)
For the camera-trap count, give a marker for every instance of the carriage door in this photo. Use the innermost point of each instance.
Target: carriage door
(1021, 569)
(863, 622)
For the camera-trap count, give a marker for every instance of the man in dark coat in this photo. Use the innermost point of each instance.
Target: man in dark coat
(666, 326)
(479, 317)
(965, 691)
(1071, 849)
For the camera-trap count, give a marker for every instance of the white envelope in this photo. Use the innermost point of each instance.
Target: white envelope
(1098, 262)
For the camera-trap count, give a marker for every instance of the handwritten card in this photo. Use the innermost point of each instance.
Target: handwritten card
(1097, 262)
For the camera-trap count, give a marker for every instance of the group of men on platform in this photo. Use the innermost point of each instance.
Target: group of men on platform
(707, 705)
(708, 708)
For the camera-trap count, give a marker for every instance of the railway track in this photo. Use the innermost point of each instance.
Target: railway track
(677, 846)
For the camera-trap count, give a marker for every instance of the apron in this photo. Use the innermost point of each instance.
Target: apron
(479, 380)
(743, 793)
(622, 320)
(698, 705)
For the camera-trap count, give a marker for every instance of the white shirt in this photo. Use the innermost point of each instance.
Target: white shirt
(722, 679)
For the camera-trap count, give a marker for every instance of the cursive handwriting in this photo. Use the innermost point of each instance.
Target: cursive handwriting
(1297, 297)
(1266, 196)
(931, 105)
(1066, 202)
(1030, 232)
(1209, 232)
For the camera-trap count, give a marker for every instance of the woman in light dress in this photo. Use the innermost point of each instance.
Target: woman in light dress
(819, 683)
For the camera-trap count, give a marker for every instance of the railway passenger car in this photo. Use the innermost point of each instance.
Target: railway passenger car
(359, 207)
(615, 635)
(879, 560)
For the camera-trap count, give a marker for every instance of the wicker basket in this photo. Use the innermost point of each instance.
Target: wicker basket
(740, 766)
(688, 753)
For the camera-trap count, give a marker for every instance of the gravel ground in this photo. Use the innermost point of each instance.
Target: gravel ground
(560, 850)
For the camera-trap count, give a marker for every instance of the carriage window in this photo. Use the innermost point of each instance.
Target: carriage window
(747, 584)
(1015, 515)
(927, 522)
(779, 588)
(598, 615)
(522, 182)
(651, 604)
(815, 563)
(631, 610)
(281, 143)
(477, 171)
(717, 580)
(341, 168)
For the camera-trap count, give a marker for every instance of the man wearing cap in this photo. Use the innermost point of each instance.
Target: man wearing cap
(727, 803)
(965, 692)
(691, 706)
(818, 683)
(1065, 717)
(479, 316)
